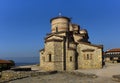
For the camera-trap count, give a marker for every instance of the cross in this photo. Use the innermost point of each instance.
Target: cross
(60, 14)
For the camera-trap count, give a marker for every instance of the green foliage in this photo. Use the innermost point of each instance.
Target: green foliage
(6, 66)
(13, 63)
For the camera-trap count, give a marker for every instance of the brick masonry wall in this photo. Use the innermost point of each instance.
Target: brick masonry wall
(56, 59)
(46, 64)
(95, 62)
(70, 64)
(70, 57)
(61, 24)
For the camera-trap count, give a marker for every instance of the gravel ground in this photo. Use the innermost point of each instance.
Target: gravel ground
(104, 76)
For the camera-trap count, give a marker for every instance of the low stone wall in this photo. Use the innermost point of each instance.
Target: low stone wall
(116, 78)
(11, 75)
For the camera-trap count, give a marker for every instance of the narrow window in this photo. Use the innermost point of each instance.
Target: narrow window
(87, 56)
(71, 59)
(41, 52)
(56, 29)
(91, 56)
(50, 58)
(84, 56)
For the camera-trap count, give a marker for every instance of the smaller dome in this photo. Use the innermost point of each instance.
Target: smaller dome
(83, 31)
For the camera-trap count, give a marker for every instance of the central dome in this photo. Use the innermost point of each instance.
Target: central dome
(60, 17)
(60, 24)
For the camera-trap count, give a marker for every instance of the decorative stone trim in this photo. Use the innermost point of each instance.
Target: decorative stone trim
(53, 35)
(70, 48)
(73, 43)
(59, 32)
(55, 40)
(88, 50)
(99, 46)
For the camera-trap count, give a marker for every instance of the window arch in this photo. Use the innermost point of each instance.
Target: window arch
(88, 56)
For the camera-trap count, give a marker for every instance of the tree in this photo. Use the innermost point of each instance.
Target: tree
(12, 62)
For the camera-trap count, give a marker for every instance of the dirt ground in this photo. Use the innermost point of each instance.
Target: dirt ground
(104, 76)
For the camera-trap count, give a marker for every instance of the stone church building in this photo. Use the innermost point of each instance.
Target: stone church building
(67, 48)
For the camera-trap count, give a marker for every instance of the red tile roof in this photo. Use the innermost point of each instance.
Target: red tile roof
(114, 50)
(4, 61)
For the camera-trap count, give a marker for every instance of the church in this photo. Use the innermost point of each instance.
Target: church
(67, 48)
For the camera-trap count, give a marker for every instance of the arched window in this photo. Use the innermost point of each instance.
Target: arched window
(91, 56)
(50, 58)
(71, 59)
(56, 29)
(87, 56)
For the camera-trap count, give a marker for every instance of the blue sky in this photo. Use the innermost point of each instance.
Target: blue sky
(24, 23)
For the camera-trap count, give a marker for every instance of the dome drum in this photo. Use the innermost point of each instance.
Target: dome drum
(60, 24)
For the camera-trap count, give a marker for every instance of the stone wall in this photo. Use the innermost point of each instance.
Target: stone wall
(49, 50)
(58, 56)
(89, 59)
(65, 50)
(60, 24)
(70, 57)
(12, 75)
(9, 75)
(70, 60)
(56, 62)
